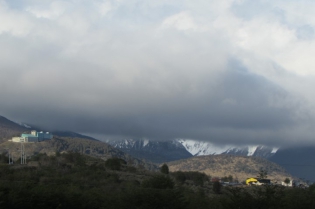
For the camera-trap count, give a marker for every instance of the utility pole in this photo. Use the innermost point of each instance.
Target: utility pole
(23, 156)
(10, 158)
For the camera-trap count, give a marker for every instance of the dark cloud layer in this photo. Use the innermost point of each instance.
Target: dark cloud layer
(238, 107)
(161, 70)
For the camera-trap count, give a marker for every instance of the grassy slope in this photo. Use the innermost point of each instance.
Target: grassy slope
(239, 167)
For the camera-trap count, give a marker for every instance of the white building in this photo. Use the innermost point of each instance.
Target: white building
(33, 137)
(290, 184)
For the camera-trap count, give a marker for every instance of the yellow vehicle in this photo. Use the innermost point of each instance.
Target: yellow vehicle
(250, 181)
(257, 181)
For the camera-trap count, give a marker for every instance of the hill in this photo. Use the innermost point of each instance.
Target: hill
(63, 141)
(8, 129)
(240, 167)
(74, 180)
(88, 147)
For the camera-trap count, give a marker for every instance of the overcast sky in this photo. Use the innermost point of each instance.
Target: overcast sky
(225, 71)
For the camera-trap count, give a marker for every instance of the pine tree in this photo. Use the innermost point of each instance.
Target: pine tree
(164, 169)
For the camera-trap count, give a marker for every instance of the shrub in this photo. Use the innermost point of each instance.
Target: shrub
(217, 187)
(114, 163)
(164, 169)
(158, 182)
(179, 176)
(197, 177)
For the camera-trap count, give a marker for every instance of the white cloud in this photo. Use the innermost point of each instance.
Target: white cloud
(14, 23)
(105, 7)
(52, 11)
(180, 21)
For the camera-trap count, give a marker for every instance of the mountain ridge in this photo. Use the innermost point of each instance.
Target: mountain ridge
(176, 149)
(166, 151)
(199, 148)
(155, 151)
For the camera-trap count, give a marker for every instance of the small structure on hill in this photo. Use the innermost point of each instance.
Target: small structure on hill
(288, 183)
(33, 137)
(257, 181)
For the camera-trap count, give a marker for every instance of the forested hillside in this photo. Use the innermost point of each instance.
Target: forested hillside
(88, 147)
(74, 180)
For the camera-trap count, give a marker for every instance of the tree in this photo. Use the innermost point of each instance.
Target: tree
(287, 181)
(113, 163)
(158, 182)
(262, 174)
(217, 187)
(164, 169)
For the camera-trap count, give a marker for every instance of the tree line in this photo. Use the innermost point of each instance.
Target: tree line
(73, 180)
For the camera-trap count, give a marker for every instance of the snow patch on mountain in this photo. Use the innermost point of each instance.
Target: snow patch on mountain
(145, 142)
(274, 150)
(173, 149)
(152, 150)
(198, 148)
(251, 150)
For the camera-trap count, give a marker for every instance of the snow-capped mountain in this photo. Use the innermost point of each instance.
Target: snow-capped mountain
(155, 151)
(198, 148)
(163, 151)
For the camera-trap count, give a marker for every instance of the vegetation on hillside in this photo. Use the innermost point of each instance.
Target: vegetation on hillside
(74, 180)
(240, 167)
(67, 144)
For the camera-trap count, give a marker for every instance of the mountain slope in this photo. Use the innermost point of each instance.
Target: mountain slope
(155, 151)
(164, 151)
(199, 148)
(89, 147)
(298, 160)
(240, 167)
(72, 134)
(9, 129)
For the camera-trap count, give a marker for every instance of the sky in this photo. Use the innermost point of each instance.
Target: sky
(228, 71)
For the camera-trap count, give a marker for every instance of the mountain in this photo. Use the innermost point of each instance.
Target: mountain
(8, 129)
(164, 151)
(72, 134)
(296, 160)
(240, 167)
(199, 148)
(154, 151)
(299, 161)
